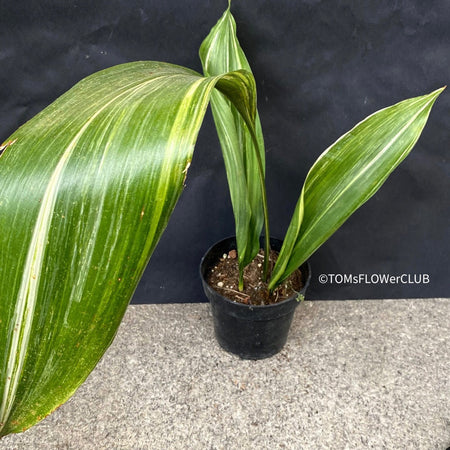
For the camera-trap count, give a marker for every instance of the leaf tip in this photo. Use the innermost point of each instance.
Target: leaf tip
(432, 96)
(437, 92)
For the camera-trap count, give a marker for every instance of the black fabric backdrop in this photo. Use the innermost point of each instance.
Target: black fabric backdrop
(320, 66)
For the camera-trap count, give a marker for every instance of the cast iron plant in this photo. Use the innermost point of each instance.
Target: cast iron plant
(88, 185)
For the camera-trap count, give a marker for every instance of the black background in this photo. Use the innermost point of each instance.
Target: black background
(320, 66)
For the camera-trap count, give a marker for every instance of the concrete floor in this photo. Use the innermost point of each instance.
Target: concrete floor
(353, 375)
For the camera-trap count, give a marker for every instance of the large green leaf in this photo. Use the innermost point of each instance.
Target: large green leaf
(87, 187)
(347, 174)
(221, 52)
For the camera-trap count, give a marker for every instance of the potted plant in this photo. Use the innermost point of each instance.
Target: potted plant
(252, 318)
(88, 186)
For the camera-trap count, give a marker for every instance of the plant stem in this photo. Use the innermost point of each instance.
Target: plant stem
(241, 280)
(265, 208)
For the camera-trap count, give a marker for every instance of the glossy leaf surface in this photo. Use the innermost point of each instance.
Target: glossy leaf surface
(86, 189)
(221, 52)
(347, 174)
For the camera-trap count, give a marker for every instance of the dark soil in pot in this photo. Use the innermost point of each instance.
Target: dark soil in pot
(224, 277)
(252, 331)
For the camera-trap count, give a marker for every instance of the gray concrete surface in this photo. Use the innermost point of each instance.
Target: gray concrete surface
(354, 375)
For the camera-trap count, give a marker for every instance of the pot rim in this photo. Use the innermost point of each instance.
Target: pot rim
(251, 307)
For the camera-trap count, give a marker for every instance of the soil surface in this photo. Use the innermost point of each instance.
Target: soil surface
(224, 278)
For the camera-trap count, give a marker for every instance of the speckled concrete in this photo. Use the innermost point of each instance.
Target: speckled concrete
(354, 375)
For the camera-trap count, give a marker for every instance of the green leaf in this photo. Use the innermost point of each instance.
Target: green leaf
(347, 174)
(87, 187)
(221, 52)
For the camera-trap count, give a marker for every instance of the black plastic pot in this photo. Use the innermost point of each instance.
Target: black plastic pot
(252, 332)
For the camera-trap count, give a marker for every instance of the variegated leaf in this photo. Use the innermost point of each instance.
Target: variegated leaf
(347, 174)
(86, 189)
(221, 52)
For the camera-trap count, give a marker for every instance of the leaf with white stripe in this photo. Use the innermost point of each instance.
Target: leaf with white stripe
(86, 189)
(221, 52)
(347, 174)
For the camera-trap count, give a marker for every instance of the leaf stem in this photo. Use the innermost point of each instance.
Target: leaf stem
(241, 279)
(265, 208)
